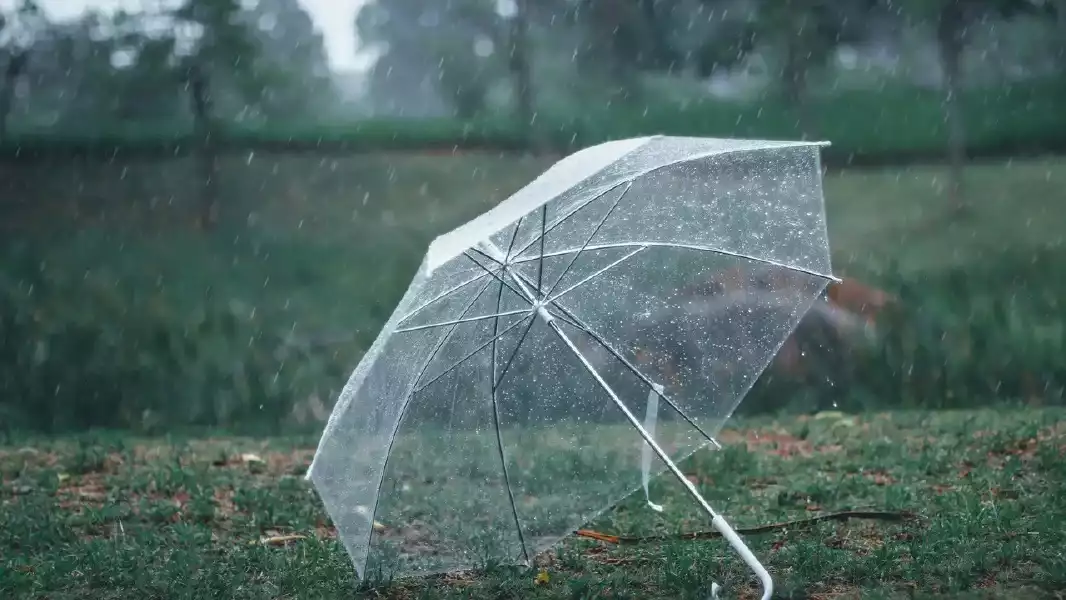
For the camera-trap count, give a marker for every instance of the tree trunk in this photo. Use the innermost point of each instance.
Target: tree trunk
(1060, 10)
(798, 44)
(950, 30)
(6, 94)
(522, 72)
(794, 74)
(608, 56)
(206, 155)
(15, 66)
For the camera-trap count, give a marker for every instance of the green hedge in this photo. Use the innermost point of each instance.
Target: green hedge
(77, 351)
(863, 126)
(956, 339)
(892, 125)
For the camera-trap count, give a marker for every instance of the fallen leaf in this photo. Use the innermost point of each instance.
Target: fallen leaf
(62, 477)
(379, 527)
(251, 458)
(880, 478)
(280, 540)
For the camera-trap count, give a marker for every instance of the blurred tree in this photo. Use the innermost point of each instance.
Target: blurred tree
(704, 36)
(291, 62)
(220, 69)
(617, 43)
(519, 64)
(1060, 10)
(137, 70)
(16, 63)
(111, 72)
(951, 20)
(806, 34)
(223, 56)
(17, 31)
(434, 56)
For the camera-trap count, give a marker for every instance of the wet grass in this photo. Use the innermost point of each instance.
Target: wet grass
(111, 516)
(904, 215)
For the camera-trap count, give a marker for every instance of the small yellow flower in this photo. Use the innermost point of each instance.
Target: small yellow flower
(542, 578)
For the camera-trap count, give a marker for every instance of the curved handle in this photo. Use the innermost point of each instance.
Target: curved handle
(745, 553)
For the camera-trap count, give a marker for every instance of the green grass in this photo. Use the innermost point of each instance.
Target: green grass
(112, 516)
(904, 216)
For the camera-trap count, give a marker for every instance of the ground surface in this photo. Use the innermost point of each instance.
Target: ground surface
(118, 517)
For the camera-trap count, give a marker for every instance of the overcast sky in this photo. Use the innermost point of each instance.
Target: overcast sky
(334, 18)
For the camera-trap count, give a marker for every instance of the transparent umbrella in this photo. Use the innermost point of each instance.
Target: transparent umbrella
(497, 410)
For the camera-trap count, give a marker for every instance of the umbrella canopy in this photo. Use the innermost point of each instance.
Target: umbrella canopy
(495, 412)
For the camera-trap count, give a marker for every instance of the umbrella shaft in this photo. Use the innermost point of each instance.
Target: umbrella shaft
(633, 420)
(717, 521)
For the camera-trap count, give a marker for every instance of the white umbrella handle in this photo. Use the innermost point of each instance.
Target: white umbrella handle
(746, 555)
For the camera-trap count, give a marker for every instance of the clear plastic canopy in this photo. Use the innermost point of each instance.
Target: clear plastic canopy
(488, 420)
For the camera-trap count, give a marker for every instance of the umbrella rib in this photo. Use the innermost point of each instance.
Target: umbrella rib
(596, 274)
(463, 320)
(496, 415)
(470, 355)
(716, 520)
(491, 258)
(497, 382)
(407, 401)
(514, 236)
(573, 212)
(580, 325)
(441, 295)
(543, 234)
(650, 244)
(588, 240)
(691, 488)
(565, 319)
(497, 275)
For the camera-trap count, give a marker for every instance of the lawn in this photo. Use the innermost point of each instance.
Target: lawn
(112, 516)
(903, 215)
